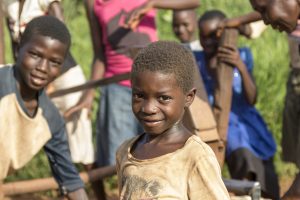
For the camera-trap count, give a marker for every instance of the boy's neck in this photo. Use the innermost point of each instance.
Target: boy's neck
(169, 136)
(150, 146)
(26, 93)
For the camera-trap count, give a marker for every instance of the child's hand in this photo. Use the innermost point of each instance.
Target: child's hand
(86, 101)
(136, 15)
(230, 55)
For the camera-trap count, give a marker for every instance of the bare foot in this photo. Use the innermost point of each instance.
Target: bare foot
(293, 192)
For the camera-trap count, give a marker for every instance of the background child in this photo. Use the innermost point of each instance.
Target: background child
(250, 145)
(166, 161)
(29, 120)
(184, 23)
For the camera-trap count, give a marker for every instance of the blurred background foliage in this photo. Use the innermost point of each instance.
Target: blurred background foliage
(270, 57)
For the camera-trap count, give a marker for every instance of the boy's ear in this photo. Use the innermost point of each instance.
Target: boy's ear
(189, 98)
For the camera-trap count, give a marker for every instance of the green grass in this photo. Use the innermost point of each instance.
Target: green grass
(271, 68)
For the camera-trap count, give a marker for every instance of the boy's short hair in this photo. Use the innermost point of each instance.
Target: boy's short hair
(212, 14)
(46, 26)
(169, 58)
(191, 11)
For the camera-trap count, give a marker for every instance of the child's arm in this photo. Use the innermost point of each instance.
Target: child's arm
(2, 46)
(230, 55)
(79, 194)
(55, 9)
(241, 20)
(98, 66)
(137, 15)
(63, 169)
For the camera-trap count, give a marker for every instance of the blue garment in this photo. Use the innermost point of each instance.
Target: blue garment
(115, 122)
(247, 128)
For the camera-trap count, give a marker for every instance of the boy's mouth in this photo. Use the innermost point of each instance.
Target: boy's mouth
(38, 80)
(150, 123)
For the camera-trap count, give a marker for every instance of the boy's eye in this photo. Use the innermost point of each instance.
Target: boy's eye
(137, 95)
(33, 54)
(56, 62)
(165, 98)
(185, 24)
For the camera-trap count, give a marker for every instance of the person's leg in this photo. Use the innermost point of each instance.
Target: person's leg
(291, 132)
(242, 164)
(115, 123)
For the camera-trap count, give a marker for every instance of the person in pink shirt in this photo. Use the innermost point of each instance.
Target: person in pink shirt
(118, 27)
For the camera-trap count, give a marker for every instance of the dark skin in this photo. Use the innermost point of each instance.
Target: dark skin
(39, 63)
(280, 14)
(159, 104)
(184, 25)
(229, 54)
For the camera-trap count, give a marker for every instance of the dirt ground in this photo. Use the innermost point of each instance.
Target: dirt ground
(284, 185)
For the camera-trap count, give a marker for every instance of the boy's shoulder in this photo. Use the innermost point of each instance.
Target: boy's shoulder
(198, 149)
(124, 149)
(126, 145)
(196, 142)
(50, 113)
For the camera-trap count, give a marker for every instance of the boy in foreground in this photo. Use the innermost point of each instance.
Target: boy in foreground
(166, 161)
(29, 121)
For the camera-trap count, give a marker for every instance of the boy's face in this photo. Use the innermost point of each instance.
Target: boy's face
(280, 14)
(40, 61)
(158, 102)
(208, 36)
(184, 25)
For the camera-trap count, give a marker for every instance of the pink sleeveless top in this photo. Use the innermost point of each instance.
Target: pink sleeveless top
(117, 41)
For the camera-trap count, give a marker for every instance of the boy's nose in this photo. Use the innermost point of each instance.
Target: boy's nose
(43, 65)
(149, 107)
